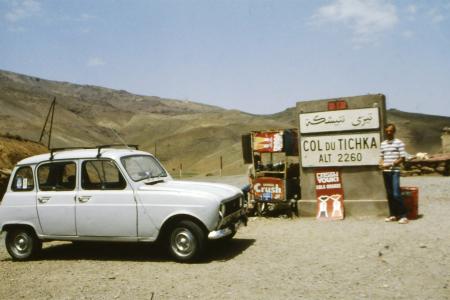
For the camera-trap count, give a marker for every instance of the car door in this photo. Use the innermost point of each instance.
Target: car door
(105, 205)
(56, 197)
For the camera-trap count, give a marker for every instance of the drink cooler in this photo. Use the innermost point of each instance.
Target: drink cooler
(410, 197)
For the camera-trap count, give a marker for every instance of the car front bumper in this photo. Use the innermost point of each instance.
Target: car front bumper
(231, 228)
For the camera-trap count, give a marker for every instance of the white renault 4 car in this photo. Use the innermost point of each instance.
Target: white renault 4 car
(113, 194)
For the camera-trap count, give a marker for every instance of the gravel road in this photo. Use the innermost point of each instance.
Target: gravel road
(272, 258)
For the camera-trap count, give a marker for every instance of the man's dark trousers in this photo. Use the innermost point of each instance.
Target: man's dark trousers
(392, 183)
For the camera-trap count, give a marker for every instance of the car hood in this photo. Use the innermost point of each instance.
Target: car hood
(209, 190)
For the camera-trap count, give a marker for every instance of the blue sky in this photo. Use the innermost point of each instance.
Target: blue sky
(258, 56)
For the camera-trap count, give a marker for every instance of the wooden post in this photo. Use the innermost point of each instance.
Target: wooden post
(181, 170)
(221, 165)
(51, 112)
(51, 123)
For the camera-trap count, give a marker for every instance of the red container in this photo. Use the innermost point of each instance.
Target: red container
(410, 197)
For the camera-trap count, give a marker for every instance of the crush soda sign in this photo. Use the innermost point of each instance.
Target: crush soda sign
(268, 189)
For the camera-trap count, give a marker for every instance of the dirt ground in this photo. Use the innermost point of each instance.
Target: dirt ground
(272, 258)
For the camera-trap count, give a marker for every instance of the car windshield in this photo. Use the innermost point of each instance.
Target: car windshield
(140, 167)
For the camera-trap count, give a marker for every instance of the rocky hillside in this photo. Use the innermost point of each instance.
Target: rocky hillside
(12, 150)
(179, 132)
(87, 113)
(183, 133)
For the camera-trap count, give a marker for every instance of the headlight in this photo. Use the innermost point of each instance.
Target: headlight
(222, 210)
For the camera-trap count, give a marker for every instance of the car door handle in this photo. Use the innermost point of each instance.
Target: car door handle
(43, 199)
(84, 199)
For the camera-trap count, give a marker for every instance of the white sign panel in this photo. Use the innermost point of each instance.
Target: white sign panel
(361, 149)
(339, 120)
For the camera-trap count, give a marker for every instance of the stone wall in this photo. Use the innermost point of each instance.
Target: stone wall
(436, 164)
(445, 140)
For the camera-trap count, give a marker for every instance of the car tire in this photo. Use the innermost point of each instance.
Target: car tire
(22, 244)
(186, 241)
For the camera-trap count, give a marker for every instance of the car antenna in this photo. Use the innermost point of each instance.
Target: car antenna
(119, 138)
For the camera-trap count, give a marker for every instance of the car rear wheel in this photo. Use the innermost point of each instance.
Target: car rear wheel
(186, 241)
(22, 244)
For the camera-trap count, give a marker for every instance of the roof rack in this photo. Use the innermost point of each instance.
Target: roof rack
(53, 150)
(99, 147)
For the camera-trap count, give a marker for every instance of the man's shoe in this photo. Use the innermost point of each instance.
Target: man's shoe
(390, 219)
(403, 221)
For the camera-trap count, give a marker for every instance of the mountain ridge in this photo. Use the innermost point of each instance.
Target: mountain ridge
(181, 133)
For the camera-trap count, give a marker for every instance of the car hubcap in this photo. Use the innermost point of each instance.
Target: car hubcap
(21, 243)
(183, 242)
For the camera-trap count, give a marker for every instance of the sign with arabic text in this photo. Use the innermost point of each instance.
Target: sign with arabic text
(358, 149)
(339, 120)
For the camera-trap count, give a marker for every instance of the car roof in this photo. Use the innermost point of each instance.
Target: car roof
(111, 153)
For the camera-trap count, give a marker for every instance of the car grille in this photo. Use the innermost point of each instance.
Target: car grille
(232, 206)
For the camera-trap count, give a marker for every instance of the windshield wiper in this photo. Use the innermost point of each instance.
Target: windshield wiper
(149, 176)
(161, 174)
(154, 182)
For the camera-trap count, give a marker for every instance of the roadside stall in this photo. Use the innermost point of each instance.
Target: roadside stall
(274, 169)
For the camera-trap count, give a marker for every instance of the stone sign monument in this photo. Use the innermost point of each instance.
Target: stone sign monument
(341, 137)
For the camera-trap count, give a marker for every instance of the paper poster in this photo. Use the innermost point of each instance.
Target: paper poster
(268, 141)
(330, 194)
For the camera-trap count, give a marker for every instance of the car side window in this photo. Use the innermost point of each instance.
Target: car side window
(57, 176)
(23, 180)
(101, 175)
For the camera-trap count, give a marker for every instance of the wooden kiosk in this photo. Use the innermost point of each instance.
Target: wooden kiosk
(273, 170)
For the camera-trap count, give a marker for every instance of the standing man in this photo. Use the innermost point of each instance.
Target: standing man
(391, 156)
(251, 174)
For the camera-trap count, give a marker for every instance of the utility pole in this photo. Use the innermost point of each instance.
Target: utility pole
(51, 112)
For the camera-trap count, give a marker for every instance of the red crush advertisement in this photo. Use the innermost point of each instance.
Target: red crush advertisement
(330, 194)
(268, 189)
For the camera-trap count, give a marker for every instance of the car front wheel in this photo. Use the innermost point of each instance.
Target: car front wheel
(186, 241)
(22, 244)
